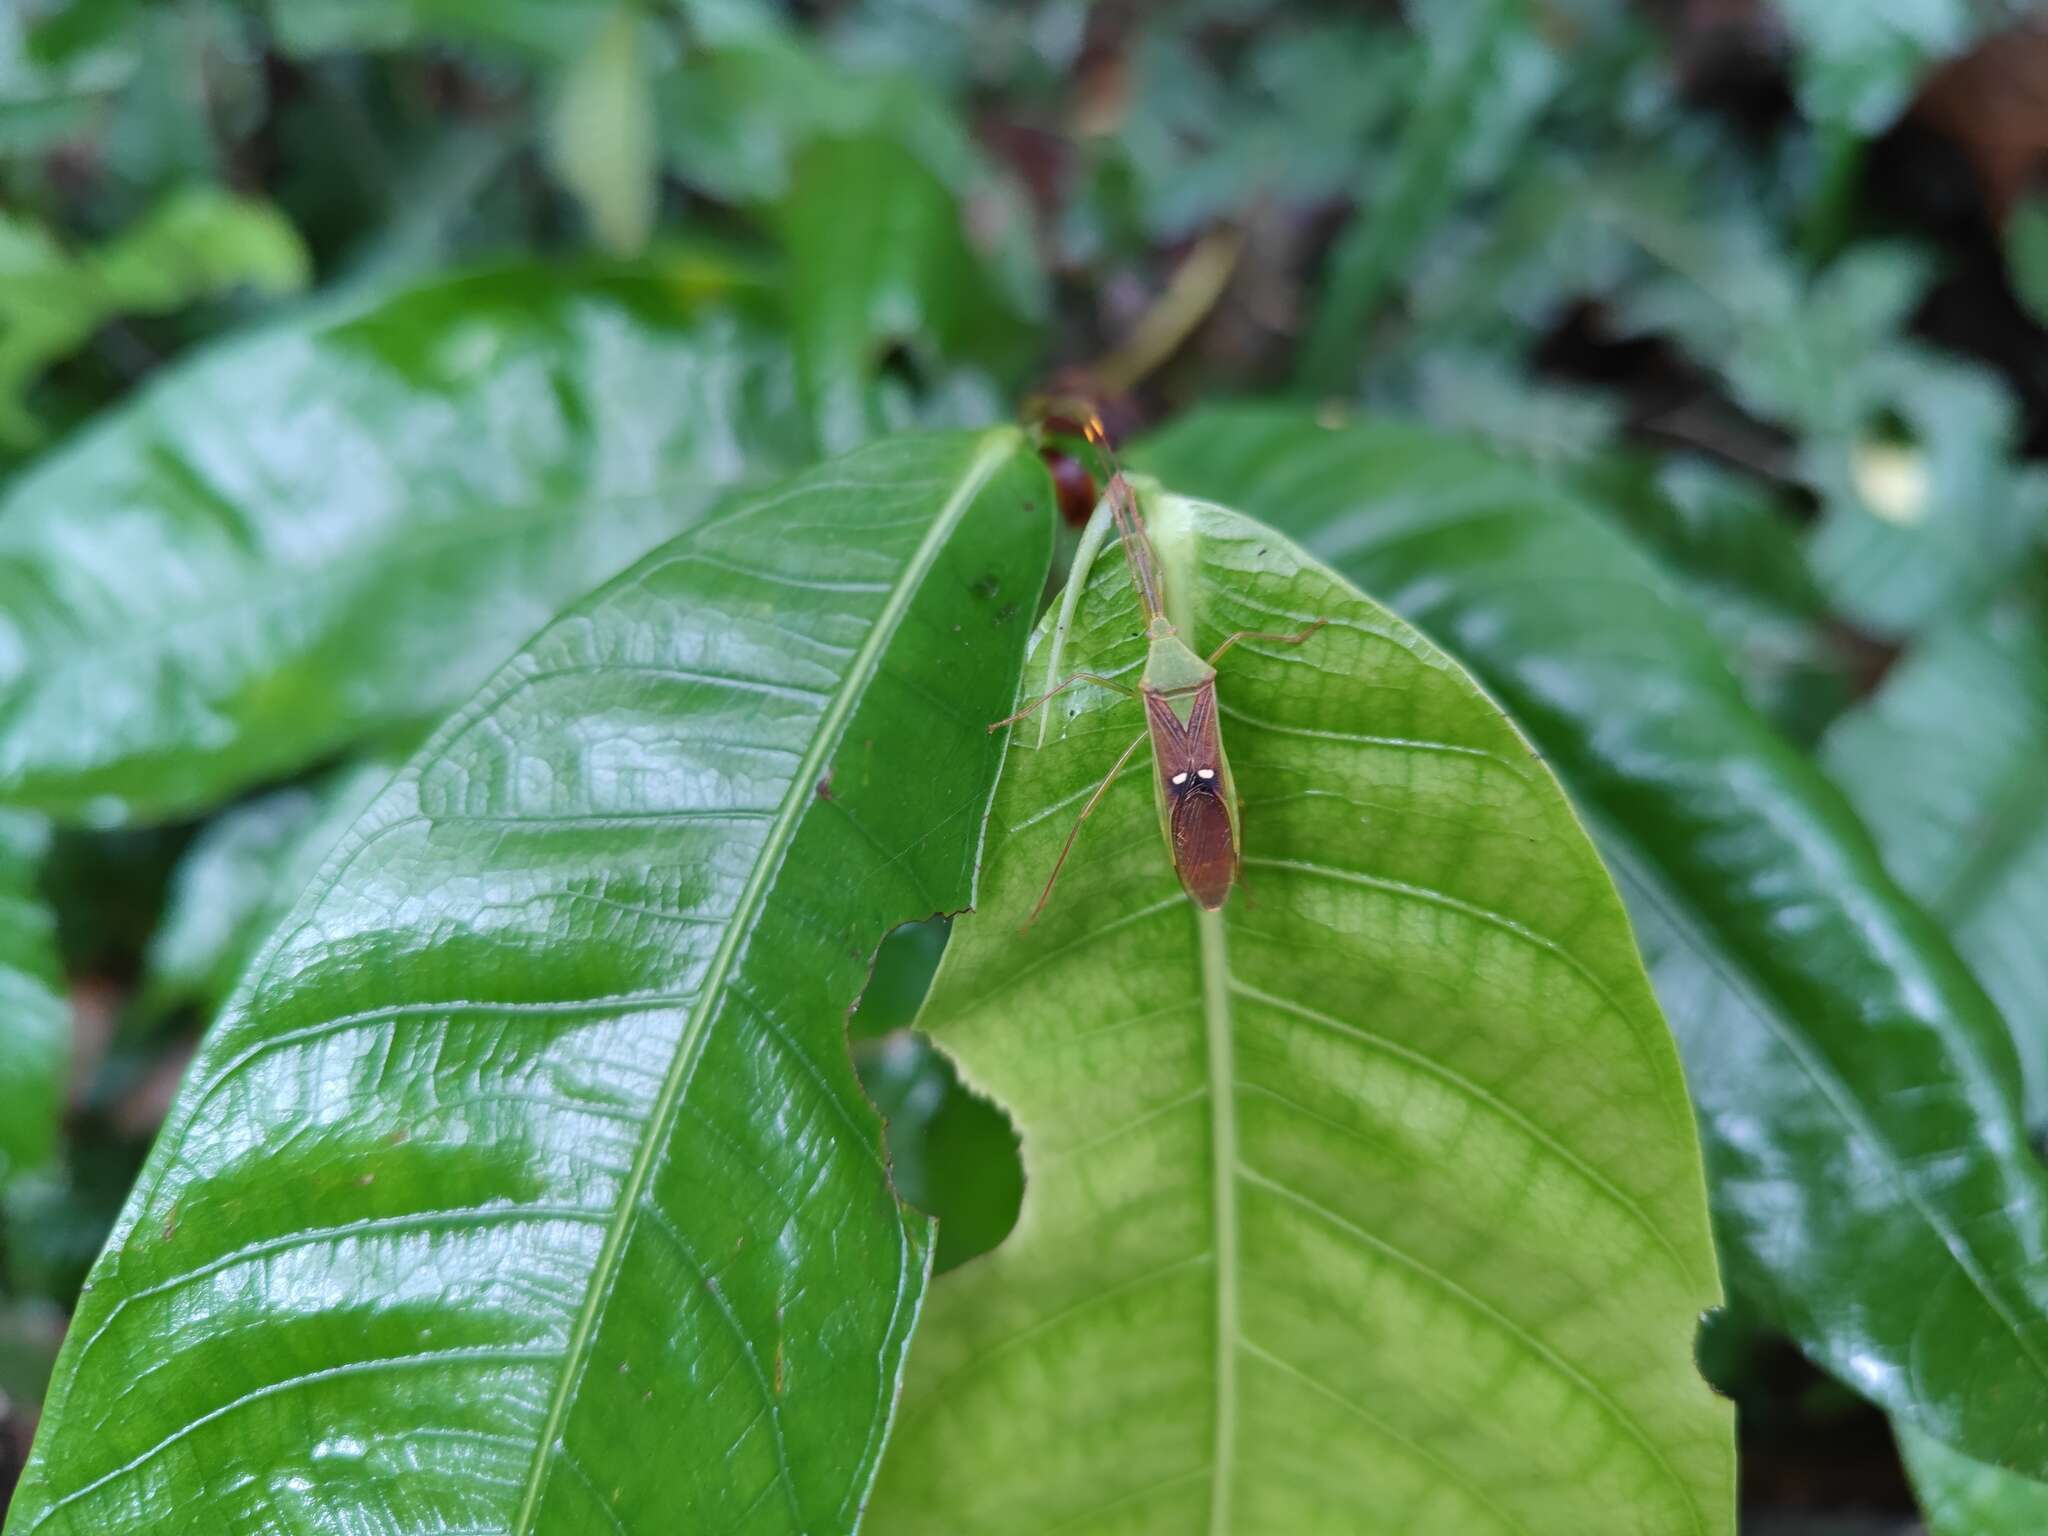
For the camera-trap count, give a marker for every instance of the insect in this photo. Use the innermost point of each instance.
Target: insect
(1197, 799)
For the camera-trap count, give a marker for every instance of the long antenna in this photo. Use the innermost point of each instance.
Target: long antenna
(1123, 506)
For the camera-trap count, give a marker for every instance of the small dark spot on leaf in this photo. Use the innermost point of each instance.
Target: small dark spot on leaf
(399, 1136)
(825, 786)
(1006, 613)
(987, 586)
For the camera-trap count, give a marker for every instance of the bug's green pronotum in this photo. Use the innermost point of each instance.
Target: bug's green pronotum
(1197, 798)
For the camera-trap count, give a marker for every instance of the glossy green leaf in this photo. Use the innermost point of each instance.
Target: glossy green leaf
(1372, 1202)
(1948, 763)
(1859, 1098)
(192, 245)
(903, 974)
(525, 1185)
(1737, 553)
(881, 265)
(952, 1153)
(240, 876)
(34, 1022)
(1961, 1497)
(333, 528)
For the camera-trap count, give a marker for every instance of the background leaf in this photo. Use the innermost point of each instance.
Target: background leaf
(239, 878)
(1372, 1202)
(194, 244)
(34, 1021)
(2026, 254)
(881, 269)
(1470, 50)
(529, 1152)
(1859, 64)
(1966, 1498)
(952, 1154)
(1857, 1091)
(335, 528)
(1948, 763)
(604, 138)
(548, 29)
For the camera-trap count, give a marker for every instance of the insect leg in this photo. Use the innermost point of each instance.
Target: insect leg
(1259, 634)
(1086, 811)
(1049, 695)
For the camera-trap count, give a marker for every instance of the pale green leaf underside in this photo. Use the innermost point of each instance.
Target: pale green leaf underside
(525, 1186)
(1373, 1203)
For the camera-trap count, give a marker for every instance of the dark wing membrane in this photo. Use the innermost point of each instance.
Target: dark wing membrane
(1169, 739)
(1203, 849)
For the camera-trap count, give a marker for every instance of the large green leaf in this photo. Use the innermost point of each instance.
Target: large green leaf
(1948, 762)
(34, 1023)
(1873, 1189)
(1733, 550)
(1372, 1202)
(1962, 1497)
(525, 1185)
(338, 526)
(881, 263)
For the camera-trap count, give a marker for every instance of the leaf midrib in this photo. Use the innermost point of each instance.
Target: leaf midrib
(1175, 538)
(1217, 1025)
(995, 449)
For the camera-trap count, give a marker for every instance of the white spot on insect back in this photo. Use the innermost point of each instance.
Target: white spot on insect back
(1179, 778)
(1203, 773)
